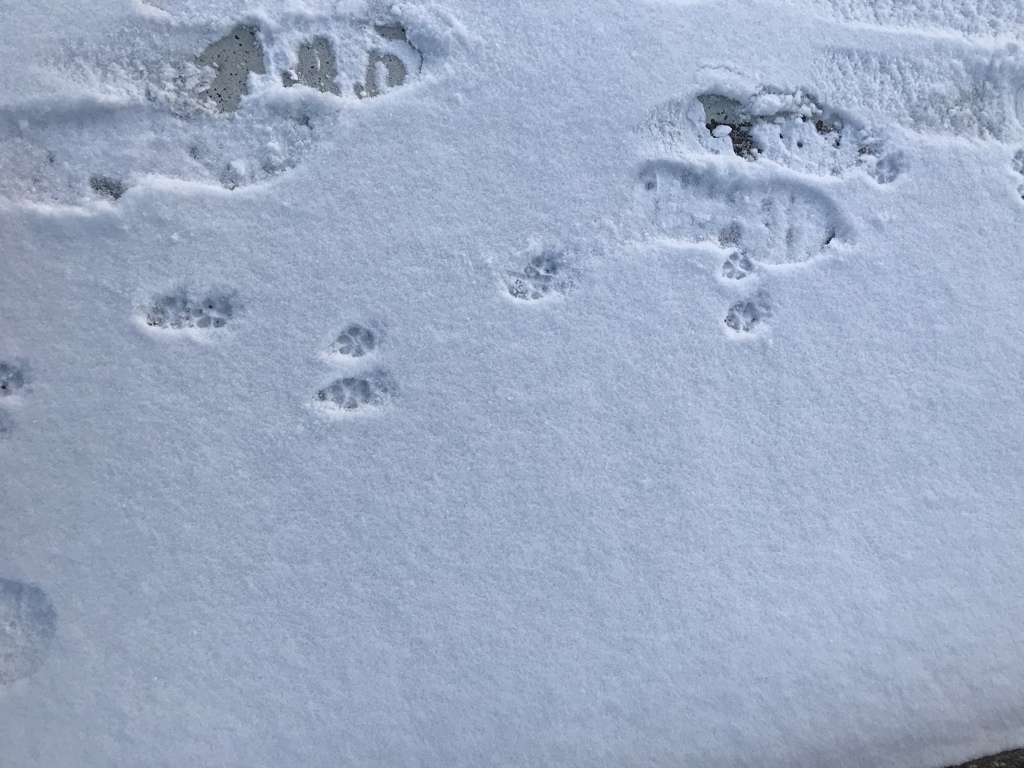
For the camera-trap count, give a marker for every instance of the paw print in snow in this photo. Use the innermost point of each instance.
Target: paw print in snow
(12, 378)
(746, 316)
(355, 393)
(179, 312)
(354, 341)
(363, 389)
(544, 275)
(737, 266)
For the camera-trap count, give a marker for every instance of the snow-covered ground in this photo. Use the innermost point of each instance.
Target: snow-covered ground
(520, 384)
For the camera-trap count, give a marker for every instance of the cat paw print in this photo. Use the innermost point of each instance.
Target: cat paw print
(12, 378)
(737, 266)
(355, 341)
(747, 316)
(546, 274)
(352, 394)
(180, 311)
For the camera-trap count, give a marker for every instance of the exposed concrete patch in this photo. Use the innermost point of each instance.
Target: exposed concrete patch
(385, 70)
(723, 111)
(395, 69)
(232, 57)
(317, 67)
(391, 32)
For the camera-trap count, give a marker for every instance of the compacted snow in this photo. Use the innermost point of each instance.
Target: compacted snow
(514, 384)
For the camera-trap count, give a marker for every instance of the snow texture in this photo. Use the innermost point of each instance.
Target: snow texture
(440, 383)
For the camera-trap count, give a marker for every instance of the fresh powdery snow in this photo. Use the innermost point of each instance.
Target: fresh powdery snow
(448, 383)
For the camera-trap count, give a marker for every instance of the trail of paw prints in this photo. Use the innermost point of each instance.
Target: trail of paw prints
(763, 210)
(235, 111)
(28, 624)
(181, 311)
(787, 129)
(545, 274)
(12, 380)
(367, 386)
(760, 224)
(750, 310)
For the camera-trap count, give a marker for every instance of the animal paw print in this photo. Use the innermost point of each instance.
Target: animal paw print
(746, 316)
(544, 275)
(355, 341)
(12, 378)
(28, 623)
(354, 393)
(181, 312)
(362, 390)
(737, 266)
